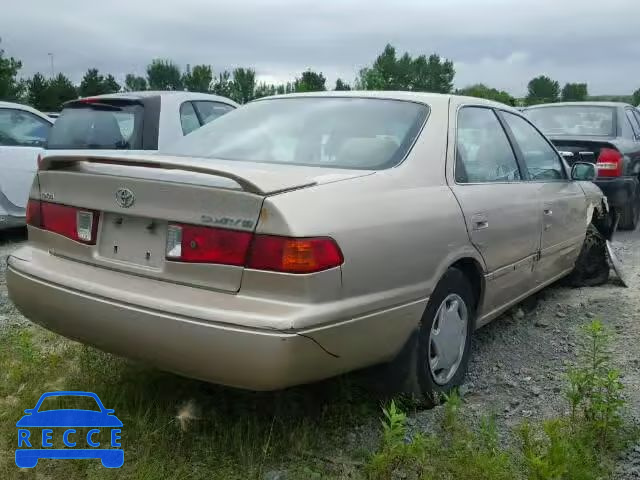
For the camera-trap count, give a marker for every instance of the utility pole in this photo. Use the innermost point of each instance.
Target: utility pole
(53, 73)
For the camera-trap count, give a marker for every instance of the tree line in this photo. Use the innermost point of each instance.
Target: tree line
(389, 71)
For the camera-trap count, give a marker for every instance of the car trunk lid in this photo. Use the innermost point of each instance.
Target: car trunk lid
(140, 199)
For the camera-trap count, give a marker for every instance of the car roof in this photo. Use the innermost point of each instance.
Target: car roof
(420, 97)
(26, 108)
(580, 104)
(174, 94)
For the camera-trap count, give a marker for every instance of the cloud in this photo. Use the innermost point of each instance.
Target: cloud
(500, 42)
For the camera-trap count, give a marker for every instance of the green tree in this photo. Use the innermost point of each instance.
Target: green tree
(133, 83)
(636, 98)
(111, 85)
(37, 91)
(432, 74)
(243, 85)
(423, 74)
(542, 89)
(341, 86)
(310, 81)
(574, 92)
(265, 90)
(222, 85)
(164, 75)
(95, 84)
(480, 90)
(198, 79)
(60, 90)
(11, 88)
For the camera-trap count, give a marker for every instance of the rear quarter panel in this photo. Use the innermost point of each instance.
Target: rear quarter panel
(399, 229)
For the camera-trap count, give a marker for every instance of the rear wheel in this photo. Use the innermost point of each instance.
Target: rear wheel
(630, 215)
(443, 343)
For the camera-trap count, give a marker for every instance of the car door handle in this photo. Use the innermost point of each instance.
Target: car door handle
(548, 212)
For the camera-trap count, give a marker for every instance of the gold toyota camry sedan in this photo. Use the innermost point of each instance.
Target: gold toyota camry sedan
(304, 236)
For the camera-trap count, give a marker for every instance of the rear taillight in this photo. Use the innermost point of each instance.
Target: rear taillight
(191, 243)
(196, 244)
(75, 223)
(294, 255)
(610, 163)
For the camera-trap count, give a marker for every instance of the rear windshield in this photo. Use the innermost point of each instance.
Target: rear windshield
(574, 120)
(353, 133)
(99, 126)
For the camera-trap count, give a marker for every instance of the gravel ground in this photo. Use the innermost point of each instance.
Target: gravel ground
(9, 241)
(519, 361)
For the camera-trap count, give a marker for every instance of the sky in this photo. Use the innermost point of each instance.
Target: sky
(502, 43)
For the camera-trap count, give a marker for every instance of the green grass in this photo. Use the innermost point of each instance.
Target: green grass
(222, 433)
(581, 446)
(183, 429)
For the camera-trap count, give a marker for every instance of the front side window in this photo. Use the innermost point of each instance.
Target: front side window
(541, 159)
(353, 133)
(22, 129)
(483, 151)
(209, 111)
(188, 118)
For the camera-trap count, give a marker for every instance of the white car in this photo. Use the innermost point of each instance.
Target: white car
(23, 132)
(134, 121)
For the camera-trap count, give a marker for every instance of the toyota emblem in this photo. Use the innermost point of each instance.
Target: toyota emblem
(125, 197)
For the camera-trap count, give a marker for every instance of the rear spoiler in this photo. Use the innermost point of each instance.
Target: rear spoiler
(59, 162)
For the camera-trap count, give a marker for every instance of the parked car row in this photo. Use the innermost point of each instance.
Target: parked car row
(136, 121)
(303, 236)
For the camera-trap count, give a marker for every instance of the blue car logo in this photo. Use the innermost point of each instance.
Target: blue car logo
(65, 421)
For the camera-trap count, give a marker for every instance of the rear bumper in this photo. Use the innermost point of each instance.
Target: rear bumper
(208, 343)
(619, 191)
(10, 221)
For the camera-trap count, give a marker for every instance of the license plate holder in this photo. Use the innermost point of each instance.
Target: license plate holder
(135, 240)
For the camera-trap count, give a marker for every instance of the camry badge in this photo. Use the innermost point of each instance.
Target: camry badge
(125, 197)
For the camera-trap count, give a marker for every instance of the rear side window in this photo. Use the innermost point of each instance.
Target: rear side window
(483, 151)
(188, 118)
(636, 114)
(22, 129)
(209, 111)
(634, 122)
(540, 158)
(104, 125)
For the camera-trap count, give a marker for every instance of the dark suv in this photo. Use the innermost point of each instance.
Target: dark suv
(604, 133)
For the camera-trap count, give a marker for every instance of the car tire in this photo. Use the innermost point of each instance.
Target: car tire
(630, 215)
(592, 264)
(433, 386)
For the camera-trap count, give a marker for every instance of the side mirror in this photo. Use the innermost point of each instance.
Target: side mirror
(583, 171)
(29, 411)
